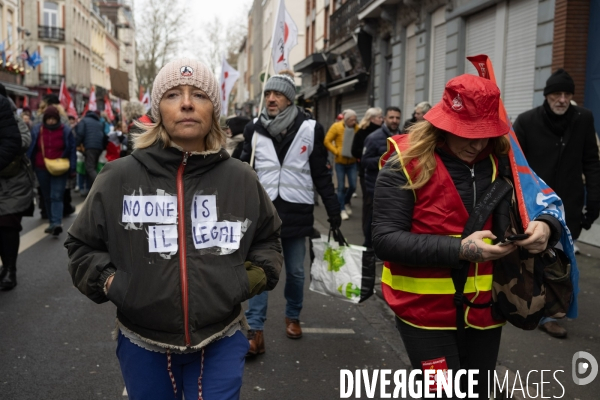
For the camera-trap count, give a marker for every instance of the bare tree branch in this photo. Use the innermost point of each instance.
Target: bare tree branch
(217, 39)
(157, 37)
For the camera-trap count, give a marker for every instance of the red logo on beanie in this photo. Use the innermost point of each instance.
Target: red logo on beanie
(457, 103)
(186, 71)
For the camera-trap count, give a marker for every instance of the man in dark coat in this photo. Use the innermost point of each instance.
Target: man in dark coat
(289, 158)
(375, 146)
(90, 134)
(559, 141)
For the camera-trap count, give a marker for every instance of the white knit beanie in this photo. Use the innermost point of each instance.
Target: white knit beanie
(185, 71)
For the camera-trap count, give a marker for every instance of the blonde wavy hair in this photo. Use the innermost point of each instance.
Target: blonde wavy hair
(156, 132)
(370, 113)
(423, 139)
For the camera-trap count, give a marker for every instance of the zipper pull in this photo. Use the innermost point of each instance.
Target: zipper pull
(185, 157)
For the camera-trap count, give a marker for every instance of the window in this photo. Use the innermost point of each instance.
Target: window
(326, 28)
(9, 29)
(1, 35)
(50, 60)
(50, 14)
(307, 42)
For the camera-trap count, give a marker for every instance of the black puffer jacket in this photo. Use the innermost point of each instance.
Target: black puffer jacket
(561, 159)
(358, 144)
(90, 132)
(375, 146)
(297, 219)
(10, 138)
(393, 214)
(17, 180)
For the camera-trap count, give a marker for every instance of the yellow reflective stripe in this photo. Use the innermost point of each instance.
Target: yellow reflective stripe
(393, 142)
(485, 240)
(445, 328)
(494, 169)
(434, 285)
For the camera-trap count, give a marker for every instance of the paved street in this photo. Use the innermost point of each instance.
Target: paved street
(56, 344)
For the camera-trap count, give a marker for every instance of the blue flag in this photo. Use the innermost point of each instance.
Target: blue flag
(35, 59)
(3, 52)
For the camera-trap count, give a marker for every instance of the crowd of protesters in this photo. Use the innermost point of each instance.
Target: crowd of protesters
(48, 138)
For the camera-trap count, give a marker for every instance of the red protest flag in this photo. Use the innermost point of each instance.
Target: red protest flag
(92, 103)
(108, 109)
(63, 95)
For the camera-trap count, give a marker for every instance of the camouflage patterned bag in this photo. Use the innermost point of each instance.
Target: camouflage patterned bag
(527, 287)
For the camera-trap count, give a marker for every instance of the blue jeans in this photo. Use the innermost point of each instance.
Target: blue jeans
(53, 190)
(294, 250)
(82, 182)
(546, 319)
(341, 170)
(146, 372)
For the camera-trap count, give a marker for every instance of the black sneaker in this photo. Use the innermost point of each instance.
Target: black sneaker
(68, 210)
(57, 230)
(49, 229)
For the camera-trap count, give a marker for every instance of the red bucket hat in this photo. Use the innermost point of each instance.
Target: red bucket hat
(469, 109)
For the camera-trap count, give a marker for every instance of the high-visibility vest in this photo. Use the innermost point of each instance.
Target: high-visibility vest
(292, 180)
(423, 296)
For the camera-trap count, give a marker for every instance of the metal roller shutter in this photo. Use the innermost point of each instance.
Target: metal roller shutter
(325, 114)
(438, 80)
(410, 76)
(481, 38)
(357, 101)
(520, 57)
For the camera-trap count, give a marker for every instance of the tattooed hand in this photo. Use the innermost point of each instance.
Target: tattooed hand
(474, 249)
(470, 251)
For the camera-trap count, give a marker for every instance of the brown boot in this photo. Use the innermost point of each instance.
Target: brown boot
(554, 329)
(293, 330)
(257, 343)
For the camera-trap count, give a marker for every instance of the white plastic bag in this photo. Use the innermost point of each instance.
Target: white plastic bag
(338, 271)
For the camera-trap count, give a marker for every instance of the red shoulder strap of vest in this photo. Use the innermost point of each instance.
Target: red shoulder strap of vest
(394, 146)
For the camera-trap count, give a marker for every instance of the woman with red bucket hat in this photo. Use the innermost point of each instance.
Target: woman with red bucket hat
(423, 197)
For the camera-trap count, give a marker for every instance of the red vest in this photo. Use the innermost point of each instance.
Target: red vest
(423, 296)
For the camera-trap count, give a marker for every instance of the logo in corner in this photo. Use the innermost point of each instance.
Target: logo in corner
(186, 71)
(303, 149)
(457, 103)
(483, 70)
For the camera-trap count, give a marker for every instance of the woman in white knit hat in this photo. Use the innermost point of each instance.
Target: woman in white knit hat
(177, 236)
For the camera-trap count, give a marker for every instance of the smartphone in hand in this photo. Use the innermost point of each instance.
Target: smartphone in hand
(513, 238)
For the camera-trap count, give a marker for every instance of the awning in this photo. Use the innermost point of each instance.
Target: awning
(311, 62)
(312, 91)
(19, 90)
(372, 10)
(342, 87)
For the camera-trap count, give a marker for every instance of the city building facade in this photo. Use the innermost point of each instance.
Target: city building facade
(12, 34)
(419, 46)
(335, 72)
(78, 40)
(258, 45)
